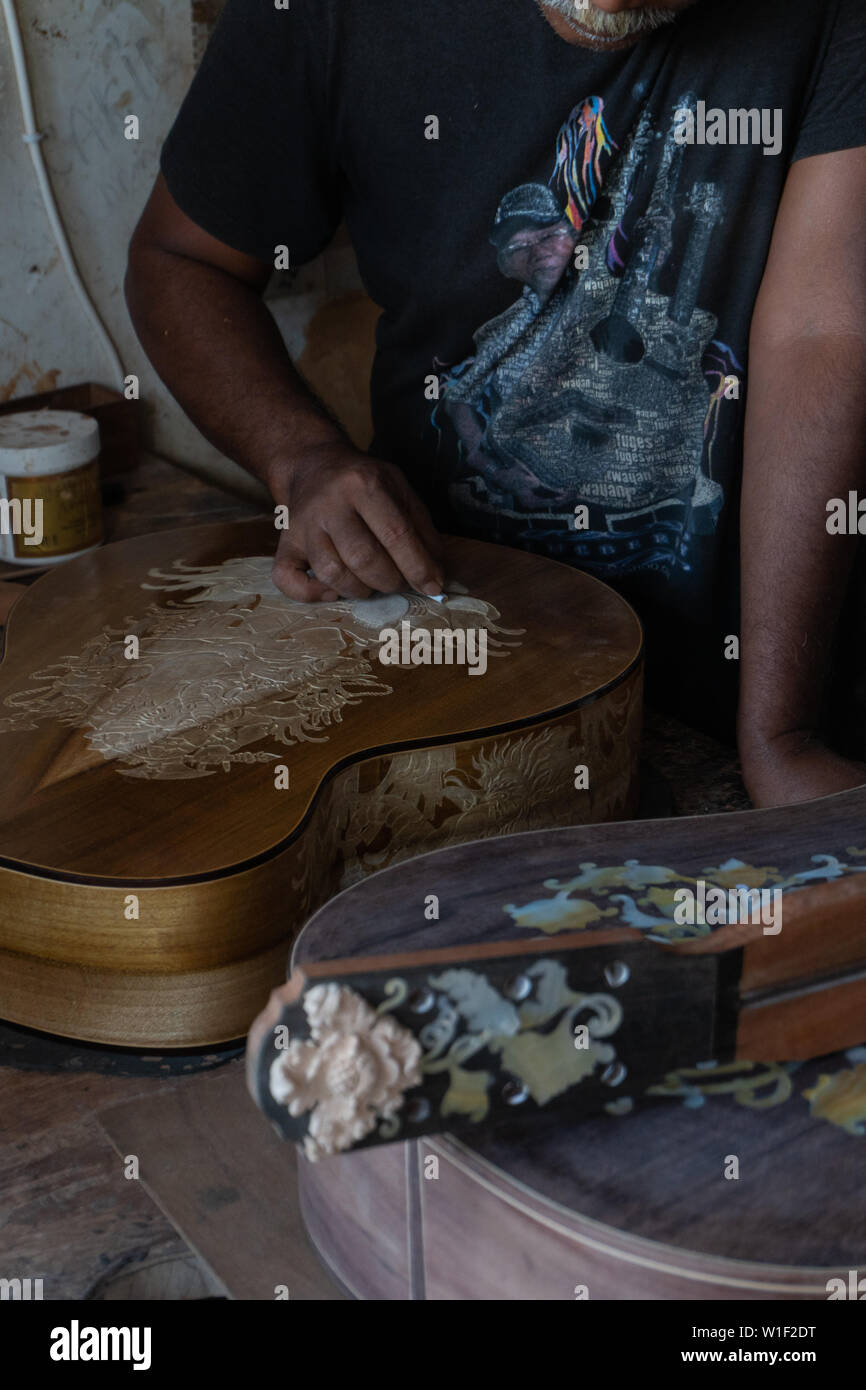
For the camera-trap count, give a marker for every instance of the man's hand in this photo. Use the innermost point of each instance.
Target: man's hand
(196, 304)
(356, 523)
(797, 768)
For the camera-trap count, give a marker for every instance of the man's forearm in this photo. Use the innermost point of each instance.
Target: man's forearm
(356, 526)
(804, 445)
(218, 350)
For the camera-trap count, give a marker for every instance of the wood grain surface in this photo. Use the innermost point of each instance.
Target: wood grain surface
(633, 1205)
(474, 888)
(68, 1215)
(224, 864)
(65, 808)
(227, 1184)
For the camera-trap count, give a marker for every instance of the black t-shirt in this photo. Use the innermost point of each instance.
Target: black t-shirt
(567, 246)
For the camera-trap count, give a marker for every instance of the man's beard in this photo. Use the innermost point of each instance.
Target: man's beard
(611, 26)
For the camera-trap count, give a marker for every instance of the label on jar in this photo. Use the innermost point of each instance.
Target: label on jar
(71, 511)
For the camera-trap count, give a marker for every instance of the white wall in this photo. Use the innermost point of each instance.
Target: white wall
(91, 63)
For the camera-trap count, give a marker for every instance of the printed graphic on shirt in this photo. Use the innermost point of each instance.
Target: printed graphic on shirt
(586, 418)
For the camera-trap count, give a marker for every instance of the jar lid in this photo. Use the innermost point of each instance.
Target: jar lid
(46, 441)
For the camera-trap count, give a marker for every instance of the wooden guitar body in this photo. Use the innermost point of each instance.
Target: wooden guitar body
(733, 1180)
(192, 763)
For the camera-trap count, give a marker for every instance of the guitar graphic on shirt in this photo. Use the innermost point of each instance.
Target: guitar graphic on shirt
(623, 425)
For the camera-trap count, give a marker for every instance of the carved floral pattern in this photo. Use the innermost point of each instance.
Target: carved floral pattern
(231, 664)
(361, 1069)
(351, 1074)
(394, 807)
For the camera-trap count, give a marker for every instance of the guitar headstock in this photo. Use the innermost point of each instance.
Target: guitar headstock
(350, 1053)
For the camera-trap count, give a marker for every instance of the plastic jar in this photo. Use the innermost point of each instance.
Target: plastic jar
(50, 501)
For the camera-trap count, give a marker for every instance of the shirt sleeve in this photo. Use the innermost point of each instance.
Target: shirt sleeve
(249, 158)
(835, 116)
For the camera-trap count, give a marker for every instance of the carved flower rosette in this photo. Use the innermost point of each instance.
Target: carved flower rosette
(351, 1073)
(350, 1077)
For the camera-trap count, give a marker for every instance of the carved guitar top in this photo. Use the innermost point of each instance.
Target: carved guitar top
(150, 692)
(227, 664)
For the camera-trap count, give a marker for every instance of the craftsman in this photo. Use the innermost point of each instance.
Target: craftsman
(683, 371)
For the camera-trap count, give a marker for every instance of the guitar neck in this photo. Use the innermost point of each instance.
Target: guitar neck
(367, 1050)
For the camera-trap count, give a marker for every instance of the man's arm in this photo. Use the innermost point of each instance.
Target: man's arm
(805, 444)
(197, 308)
